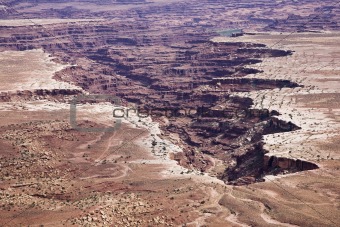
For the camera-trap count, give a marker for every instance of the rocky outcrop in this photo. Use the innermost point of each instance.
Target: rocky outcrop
(275, 125)
(53, 94)
(154, 64)
(249, 163)
(277, 165)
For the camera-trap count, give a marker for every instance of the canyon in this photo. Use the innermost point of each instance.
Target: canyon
(204, 144)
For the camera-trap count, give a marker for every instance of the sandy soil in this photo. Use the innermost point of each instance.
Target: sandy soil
(29, 70)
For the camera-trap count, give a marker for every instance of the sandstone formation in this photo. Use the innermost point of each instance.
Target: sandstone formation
(170, 71)
(159, 59)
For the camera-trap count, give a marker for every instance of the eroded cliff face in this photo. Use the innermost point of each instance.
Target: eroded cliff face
(29, 95)
(196, 77)
(154, 64)
(260, 15)
(277, 165)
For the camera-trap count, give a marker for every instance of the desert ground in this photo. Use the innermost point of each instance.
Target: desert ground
(103, 172)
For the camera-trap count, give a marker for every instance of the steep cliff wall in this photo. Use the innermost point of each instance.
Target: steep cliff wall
(276, 165)
(54, 94)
